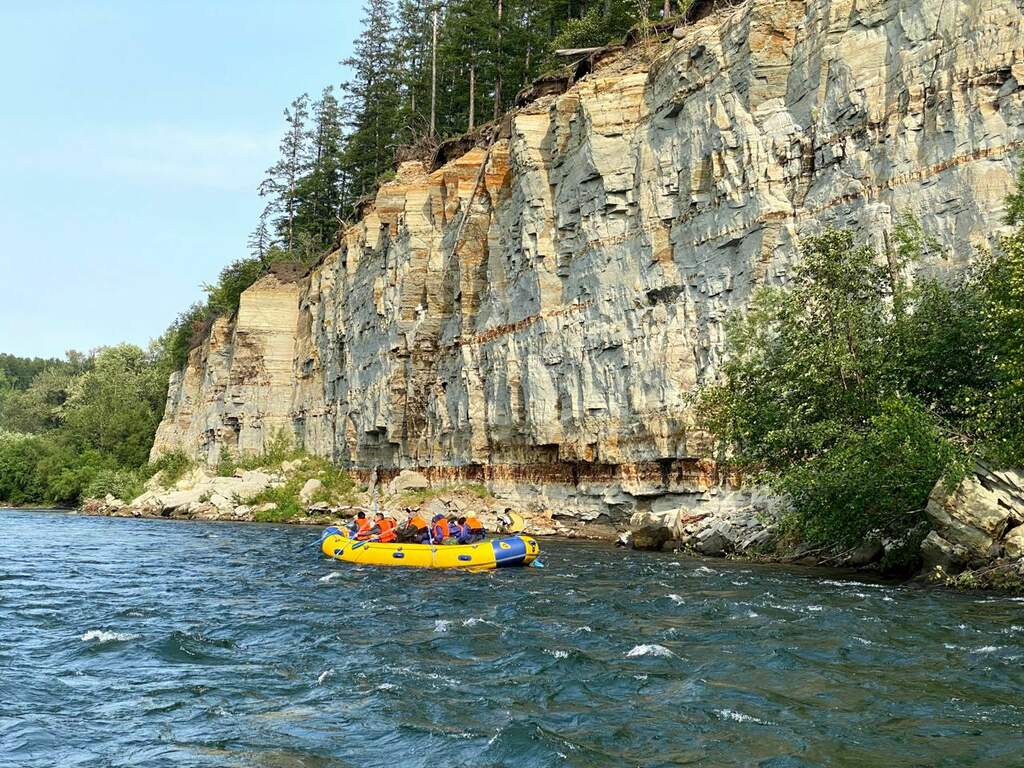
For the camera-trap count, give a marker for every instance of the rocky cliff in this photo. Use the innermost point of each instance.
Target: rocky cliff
(536, 313)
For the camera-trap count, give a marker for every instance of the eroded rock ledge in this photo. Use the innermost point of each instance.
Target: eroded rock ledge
(552, 352)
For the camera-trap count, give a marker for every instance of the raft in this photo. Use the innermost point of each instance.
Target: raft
(507, 552)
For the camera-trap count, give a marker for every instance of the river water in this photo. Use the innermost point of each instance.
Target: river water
(135, 642)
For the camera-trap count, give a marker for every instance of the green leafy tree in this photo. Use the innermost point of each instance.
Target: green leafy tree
(816, 400)
(114, 408)
(321, 193)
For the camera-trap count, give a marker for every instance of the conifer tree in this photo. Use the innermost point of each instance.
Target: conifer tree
(281, 183)
(373, 100)
(321, 192)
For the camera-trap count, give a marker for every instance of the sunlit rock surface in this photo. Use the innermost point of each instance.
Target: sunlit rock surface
(552, 354)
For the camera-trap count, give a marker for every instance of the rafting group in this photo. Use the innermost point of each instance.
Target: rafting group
(382, 541)
(416, 530)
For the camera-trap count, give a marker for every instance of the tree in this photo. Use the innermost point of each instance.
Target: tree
(373, 101)
(114, 408)
(817, 402)
(320, 194)
(281, 183)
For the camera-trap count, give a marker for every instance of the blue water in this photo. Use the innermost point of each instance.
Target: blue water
(156, 643)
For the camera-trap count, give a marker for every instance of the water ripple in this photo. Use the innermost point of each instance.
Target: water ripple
(166, 644)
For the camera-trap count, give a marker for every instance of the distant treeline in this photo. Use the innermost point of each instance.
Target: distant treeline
(422, 70)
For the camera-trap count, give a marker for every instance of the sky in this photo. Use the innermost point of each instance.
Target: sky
(133, 136)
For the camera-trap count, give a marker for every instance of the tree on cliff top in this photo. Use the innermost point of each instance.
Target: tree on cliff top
(373, 100)
(281, 183)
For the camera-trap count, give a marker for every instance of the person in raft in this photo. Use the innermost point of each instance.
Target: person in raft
(472, 530)
(414, 530)
(439, 530)
(384, 529)
(360, 527)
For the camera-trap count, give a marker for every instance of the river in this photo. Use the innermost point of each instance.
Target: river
(157, 643)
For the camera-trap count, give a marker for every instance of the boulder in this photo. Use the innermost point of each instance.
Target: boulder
(178, 499)
(192, 480)
(865, 554)
(408, 480)
(266, 507)
(221, 502)
(435, 507)
(712, 542)
(974, 518)
(650, 530)
(310, 489)
(288, 467)
(937, 552)
(1013, 544)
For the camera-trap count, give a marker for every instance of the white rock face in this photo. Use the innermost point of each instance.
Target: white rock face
(553, 353)
(979, 520)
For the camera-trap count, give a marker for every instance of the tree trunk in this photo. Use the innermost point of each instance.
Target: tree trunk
(433, 78)
(666, 11)
(472, 96)
(497, 81)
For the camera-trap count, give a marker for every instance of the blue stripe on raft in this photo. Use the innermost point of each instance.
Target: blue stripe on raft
(509, 552)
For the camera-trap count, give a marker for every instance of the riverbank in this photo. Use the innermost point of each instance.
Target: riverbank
(970, 538)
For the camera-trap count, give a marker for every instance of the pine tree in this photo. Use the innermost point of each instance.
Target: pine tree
(281, 183)
(261, 239)
(373, 100)
(412, 47)
(321, 192)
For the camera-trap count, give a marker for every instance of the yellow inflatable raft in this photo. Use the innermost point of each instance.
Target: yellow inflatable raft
(497, 553)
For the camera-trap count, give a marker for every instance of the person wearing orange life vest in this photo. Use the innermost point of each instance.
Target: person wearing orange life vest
(360, 527)
(440, 529)
(384, 529)
(414, 530)
(474, 529)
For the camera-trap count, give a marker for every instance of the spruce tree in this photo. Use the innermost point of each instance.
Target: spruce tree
(373, 100)
(321, 192)
(282, 181)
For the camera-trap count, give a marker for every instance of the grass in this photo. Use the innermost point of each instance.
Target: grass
(279, 449)
(171, 467)
(338, 488)
(422, 495)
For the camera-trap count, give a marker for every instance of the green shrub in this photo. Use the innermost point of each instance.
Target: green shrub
(338, 488)
(121, 483)
(171, 467)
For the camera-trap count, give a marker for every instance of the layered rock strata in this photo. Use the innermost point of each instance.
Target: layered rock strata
(536, 314)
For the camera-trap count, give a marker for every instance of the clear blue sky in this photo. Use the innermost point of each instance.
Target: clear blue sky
(133, 135)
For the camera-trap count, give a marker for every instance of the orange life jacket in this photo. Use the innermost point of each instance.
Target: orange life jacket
(418, 523)
(387, 530)
(446, 532)
(364, 527)
(473, 524)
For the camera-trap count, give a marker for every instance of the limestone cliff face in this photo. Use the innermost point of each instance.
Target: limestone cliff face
(552, 351)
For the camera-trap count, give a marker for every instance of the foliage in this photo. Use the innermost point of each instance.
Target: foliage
(171, 467)
(280, 448)
(121, 483)
(89, 430)
(337, 489)
(853, 392)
